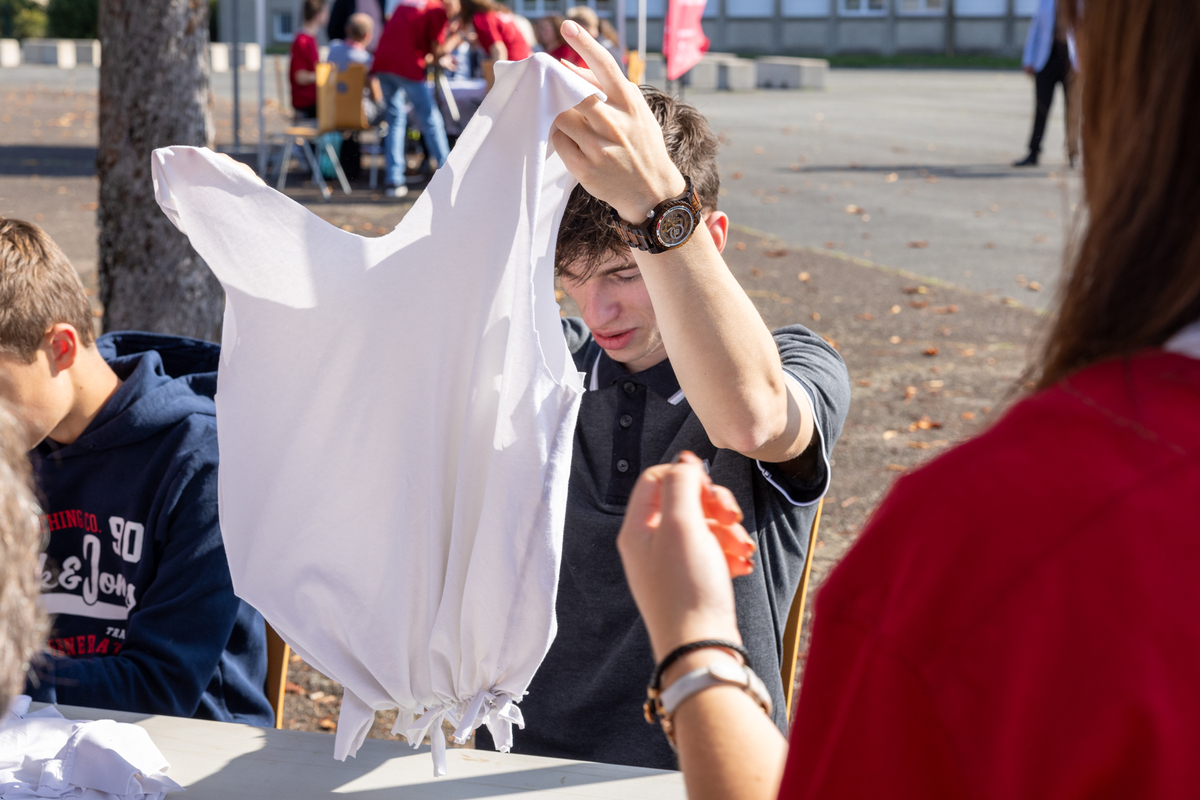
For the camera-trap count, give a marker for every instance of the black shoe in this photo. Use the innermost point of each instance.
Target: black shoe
(1028, 161)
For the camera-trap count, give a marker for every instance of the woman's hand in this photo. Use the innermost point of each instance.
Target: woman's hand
(681, 542)
(614, 147)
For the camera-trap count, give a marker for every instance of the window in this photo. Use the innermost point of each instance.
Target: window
(282, 26)
(865, 8)
(922, 7)
(655, 9)
(806, 8)
(980, 8)
(749, 8)
(1026, 8)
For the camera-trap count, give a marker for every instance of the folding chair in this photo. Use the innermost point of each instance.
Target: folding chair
(795, 621)
(278, 655)
(339, 108)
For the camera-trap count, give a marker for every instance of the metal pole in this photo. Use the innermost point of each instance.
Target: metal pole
(621, 35)
(237, 143)
(260, 20)
(641, 33)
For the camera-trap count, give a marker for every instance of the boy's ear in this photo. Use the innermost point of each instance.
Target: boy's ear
(63, 340)
(717, 223)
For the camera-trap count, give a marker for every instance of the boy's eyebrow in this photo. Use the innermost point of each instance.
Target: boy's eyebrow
(630, 264)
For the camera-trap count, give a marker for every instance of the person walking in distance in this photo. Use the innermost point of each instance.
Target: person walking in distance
(1049, 59)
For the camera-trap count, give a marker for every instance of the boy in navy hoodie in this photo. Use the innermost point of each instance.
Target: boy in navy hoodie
(123, 431)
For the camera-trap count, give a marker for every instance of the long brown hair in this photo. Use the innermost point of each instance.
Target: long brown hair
(1135, 279)
(472, 7)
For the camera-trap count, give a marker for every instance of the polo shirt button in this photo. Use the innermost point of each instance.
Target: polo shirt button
(622, 466)
(626, 420)
(630, 387)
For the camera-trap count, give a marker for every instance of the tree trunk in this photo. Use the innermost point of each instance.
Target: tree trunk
(154, 92)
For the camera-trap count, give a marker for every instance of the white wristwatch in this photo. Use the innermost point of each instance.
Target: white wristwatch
(717, 673)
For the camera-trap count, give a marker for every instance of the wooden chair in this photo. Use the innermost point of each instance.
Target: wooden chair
(795, 621)
(278, 655)
(339, 108)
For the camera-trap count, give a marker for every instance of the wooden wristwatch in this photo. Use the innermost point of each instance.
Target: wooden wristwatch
(670, 224)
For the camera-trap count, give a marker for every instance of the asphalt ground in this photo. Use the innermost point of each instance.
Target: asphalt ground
(936, 337)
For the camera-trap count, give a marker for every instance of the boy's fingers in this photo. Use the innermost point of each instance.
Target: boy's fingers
(586, 74)
(600, 61)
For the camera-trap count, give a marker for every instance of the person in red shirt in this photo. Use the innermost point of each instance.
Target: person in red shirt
(1018, 619)
(302, 70)
(496, 30)
(410, 40)
(552, 42)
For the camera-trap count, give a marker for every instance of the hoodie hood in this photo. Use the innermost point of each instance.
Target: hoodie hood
(165, 379)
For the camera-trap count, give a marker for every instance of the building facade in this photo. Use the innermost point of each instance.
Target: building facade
(790, 27)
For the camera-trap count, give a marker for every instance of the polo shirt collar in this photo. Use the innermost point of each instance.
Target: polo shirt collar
(660, 378)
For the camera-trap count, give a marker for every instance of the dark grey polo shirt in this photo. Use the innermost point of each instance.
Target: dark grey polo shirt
(586, 700)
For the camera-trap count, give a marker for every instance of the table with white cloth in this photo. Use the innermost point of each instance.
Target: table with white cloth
(227, 761)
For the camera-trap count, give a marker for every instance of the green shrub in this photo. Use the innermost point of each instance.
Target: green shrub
(73, 19)
(21, 19)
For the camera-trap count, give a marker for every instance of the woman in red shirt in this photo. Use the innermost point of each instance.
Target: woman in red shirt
(1018, 619)
(496, 30)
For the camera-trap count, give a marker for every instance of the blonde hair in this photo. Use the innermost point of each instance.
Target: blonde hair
(586, 18)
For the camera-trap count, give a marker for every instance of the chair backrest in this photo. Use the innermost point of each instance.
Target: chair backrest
(278, 655)
(340, 96)
(795, 621)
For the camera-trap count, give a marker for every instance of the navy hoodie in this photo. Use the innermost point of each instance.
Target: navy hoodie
(135, 569)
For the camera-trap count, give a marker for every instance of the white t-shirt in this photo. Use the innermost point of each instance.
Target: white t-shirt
(395, 417)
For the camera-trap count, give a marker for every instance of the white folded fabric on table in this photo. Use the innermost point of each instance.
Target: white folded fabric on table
(395, 418)
(43, 755)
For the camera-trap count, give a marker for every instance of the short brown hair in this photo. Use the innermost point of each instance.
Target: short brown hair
(360, 28)
(38, 289)
(312, 9)
(588, 236)
(22, 621)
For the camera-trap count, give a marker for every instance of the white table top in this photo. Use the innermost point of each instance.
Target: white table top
(225, 761)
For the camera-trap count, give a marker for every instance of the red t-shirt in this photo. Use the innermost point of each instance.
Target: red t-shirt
(410, 35)
(1020, 618)
(492, 27)
(304, 57)
(568, 52)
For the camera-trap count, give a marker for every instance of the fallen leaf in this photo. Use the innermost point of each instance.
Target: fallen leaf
(931, 351)
(794, 167)
(775, 253)
(950, 309)
(910, 392)
(937, 384)
(894, 340)
(987, 409)
(916, 290)
(924, 423)
(896, 309)
(920, 244)
(853, 209)
(931, 179)
(888, 435)
(866, 317)
(327, 724)
(968, 415)
(559, 294)
(366, 226)
(349, 228)
(756, 273)
(919, 445)
(804, 277)
(970, 351)
(994, 207)
(849, 501)
(939, 443)
(944, 331)
(897, 468)
(316, 695)
(892, 177)
(737, 176)
(1041, 237)
(293, 688)
(88, 206)
(989, 245)
(918, 303)
(831, 342)
(740, 246)
(1034, 286)
(295, 659)
(816, 316)
(829, 245)
(1009, 301)
(864, 382)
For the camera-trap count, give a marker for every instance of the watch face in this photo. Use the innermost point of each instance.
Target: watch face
(675, 226)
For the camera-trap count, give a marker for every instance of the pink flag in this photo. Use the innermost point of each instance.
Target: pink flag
(684, 41)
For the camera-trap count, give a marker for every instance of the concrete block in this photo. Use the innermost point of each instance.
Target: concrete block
(218, 57)
(737, 75)
(56, 52)
(656, 67)
(781, 72)
(249, 57)
(87, 52)
(705, 76)
(10, 53)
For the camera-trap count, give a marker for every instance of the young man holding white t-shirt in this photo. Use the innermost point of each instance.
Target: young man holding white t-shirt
(675, 358)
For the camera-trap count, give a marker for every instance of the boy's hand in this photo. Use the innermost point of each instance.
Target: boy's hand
(680, 543)
(615, 147)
